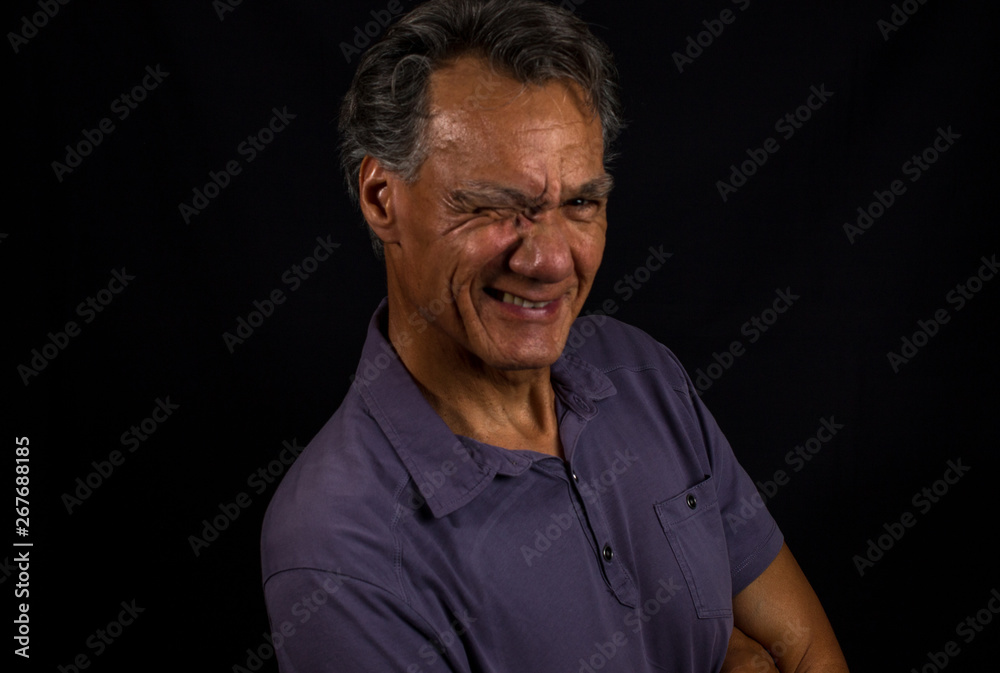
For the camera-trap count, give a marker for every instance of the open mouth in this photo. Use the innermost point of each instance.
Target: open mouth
(508, 298)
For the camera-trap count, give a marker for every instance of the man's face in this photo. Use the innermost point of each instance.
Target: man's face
(500, 236)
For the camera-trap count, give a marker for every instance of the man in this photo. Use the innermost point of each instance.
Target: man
(486, 499)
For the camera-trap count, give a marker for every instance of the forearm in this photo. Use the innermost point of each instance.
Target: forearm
(781, 612)
(806, 649)
(746, 655)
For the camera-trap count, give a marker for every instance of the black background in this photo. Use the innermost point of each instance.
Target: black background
(161, 337)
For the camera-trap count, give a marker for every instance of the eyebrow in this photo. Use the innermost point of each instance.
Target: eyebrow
(474, 194)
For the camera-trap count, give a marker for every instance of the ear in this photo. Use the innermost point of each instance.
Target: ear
(375, 189)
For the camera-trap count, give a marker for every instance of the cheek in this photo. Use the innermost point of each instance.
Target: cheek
(483, 246)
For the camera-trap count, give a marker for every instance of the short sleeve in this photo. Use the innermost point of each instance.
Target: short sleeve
(324, 622)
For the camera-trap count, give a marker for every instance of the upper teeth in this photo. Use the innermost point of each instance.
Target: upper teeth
(521, 301)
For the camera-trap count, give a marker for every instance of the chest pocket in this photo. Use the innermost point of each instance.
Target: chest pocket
(693, 526)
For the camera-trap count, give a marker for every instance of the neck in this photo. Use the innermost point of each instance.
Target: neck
(514, 409)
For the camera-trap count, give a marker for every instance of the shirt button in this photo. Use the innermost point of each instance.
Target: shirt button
(608, 552)
(692, 501)
(576, 478)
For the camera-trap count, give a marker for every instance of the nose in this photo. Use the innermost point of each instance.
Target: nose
(543, 253)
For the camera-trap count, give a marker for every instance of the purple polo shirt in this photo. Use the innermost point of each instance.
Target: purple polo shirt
(394, 545)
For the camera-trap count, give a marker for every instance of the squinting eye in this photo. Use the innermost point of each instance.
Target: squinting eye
(583, 204)
(493, 211)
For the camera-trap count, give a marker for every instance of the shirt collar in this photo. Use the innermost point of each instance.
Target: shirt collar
(450, 471)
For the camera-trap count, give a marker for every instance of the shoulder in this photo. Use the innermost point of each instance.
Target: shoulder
(611, 345)
(333, 510)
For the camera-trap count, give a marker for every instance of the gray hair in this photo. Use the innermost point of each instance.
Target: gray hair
(386, 109)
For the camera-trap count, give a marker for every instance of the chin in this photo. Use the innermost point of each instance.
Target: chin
(525, 359)
(523, 366)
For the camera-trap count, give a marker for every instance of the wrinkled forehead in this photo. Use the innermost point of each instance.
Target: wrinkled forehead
(468, 96)
(484, 121)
